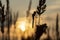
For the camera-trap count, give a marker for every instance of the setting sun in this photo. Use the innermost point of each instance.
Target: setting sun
(22, 26)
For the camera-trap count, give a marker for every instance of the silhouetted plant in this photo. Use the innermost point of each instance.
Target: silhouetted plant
(57, 27)
(14, 22)
(41, 8)
(29, 8)
(7, 13)
(2, 17)
(28, 12)
(33, 18)
(15, 19)
(40, 29)
(8, 18)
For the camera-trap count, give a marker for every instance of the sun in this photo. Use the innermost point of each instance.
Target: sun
(22, 26)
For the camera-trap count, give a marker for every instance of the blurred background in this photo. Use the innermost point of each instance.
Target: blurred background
(16, 19)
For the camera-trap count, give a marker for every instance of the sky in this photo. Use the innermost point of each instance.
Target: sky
(53, 7)
(49, 16)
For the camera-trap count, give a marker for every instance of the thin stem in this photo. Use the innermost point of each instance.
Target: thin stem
(39, 20)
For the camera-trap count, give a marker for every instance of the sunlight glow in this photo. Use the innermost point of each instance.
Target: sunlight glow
(22, 26)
